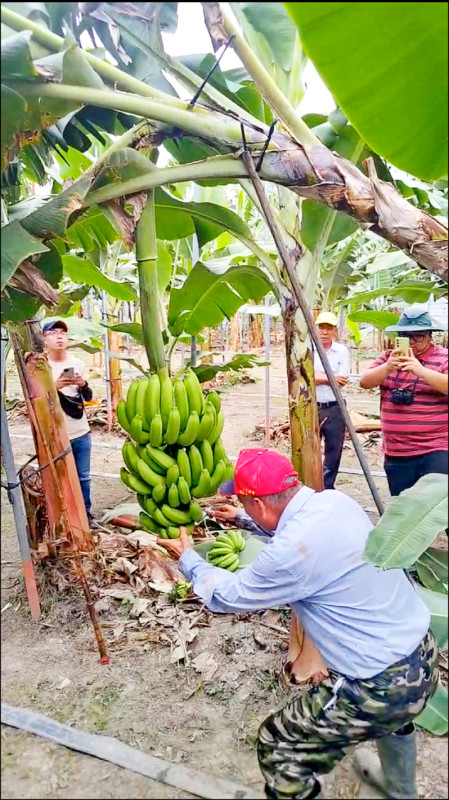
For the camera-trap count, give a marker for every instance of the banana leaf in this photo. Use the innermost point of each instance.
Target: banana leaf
(410, 524)
(206, 298)
(437, 605)
(432, 568)
(434, 716)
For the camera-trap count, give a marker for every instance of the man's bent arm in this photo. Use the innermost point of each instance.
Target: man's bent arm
(267, 583)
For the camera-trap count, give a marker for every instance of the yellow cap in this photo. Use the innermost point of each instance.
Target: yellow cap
(327, 318)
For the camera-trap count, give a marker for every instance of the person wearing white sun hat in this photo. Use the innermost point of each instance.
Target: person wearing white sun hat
(332, 423)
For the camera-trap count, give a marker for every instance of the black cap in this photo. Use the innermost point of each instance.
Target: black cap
(51, 326)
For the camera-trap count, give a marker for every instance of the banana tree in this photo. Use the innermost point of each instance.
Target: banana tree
(295, 159)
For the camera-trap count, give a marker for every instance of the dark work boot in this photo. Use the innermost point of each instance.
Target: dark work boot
(394, 773)
(316, 793)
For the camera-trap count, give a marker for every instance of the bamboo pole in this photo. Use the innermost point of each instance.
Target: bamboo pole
(16, 500)
(287, 262)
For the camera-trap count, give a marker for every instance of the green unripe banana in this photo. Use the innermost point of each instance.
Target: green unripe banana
(149, 475)
(156, 431)
(143, 453)
(217, 429)
(166, 396)
(214, 398)
(172, 475)
(225, 561)
(131, 399)
(203, 488)
(173, 426)
(219, 453)
(147, 524)
(173, 496)
(140, 401)
(176, 515)
(207, 424)
(195, 511)
(194, 392)
(133, 483)
(133, 456)
(184, 466)
(141, 500)
(158, 493)
(196, 463)
(152, 398)
(207, 455)
(229, 472)
(160, 518)
(122, 416)
(182, 403)
(174, 531)
(183, 491)
(190, 433)
(125, 457)
(137, 432)
(217, 477)
(160, 457)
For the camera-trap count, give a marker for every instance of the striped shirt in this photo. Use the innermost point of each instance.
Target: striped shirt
(421, 427)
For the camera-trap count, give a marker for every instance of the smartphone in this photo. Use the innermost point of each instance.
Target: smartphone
(402, 344)
(68, 372)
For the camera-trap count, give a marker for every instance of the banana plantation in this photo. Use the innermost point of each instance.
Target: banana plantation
(185, 187)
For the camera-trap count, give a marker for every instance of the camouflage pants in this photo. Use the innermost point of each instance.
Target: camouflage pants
(310, 734)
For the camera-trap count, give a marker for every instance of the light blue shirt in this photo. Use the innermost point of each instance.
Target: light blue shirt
(338, 357)
(362, 619)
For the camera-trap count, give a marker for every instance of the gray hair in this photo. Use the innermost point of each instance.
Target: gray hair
(280, 498)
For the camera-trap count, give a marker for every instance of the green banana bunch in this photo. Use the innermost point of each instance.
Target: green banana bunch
(174, 455)
(225, 550)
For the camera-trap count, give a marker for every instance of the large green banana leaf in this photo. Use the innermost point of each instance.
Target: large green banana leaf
(410, 524)
(386, 66)
(434, 716)
(206, 298)
(437, 605)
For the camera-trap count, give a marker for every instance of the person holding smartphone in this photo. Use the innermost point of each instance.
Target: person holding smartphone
(413, 401)
(69, 377)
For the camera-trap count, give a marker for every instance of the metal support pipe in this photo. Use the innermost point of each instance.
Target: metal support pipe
(16, 500)
(104, 316)
(297, 289)
(267, 371)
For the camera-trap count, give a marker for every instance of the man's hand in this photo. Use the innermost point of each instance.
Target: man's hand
(225, 512)
(176, 547)
(64, 380)
(341, 380)
(411, 364)
(79, 381)
(394, 361)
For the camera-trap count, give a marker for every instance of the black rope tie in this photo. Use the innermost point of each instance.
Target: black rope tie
(10, 486)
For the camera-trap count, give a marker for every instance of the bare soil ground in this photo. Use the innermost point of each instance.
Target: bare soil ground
(167, 709)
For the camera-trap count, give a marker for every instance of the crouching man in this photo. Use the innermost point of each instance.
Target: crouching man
(370, 626)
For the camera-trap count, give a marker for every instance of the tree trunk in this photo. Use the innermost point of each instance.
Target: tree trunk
(234, 334)
(68, 526)
(114, 369)
(303, 411)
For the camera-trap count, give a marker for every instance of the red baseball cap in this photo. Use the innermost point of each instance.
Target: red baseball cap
(259, 472)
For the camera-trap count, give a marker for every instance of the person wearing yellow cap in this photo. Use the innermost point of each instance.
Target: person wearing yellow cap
(332, 423)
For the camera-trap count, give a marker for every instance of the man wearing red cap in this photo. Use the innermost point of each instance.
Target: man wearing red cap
(370, 626)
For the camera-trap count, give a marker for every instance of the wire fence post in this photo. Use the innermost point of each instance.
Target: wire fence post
(107, 369)
(267, 371)
(16, 500)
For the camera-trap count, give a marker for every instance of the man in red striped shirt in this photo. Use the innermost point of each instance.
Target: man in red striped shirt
(414, 404)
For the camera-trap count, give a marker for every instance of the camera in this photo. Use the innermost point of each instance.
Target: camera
(402, 397)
